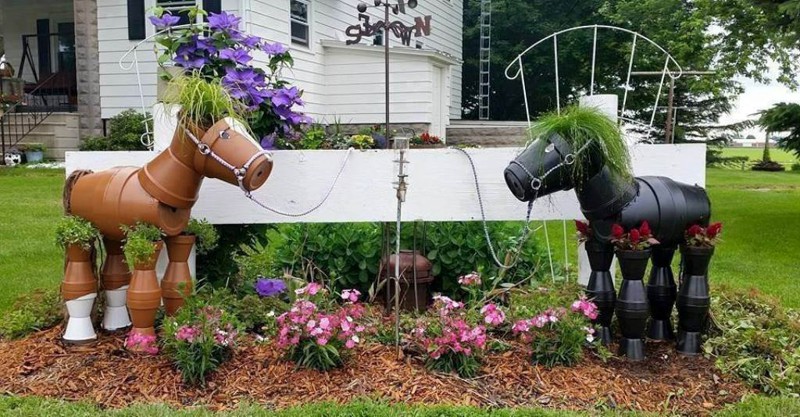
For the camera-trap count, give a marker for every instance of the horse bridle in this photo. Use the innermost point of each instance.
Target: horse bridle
(567, 160)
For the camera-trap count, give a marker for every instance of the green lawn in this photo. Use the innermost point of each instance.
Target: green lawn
(755, 154)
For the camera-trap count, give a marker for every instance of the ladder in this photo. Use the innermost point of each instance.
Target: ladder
(484, 63)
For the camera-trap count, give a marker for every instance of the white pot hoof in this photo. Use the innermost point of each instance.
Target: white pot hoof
(117, 298)
(79, 330)
(115, 318)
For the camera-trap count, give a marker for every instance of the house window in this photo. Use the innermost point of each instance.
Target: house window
(178, 8)
(298, 15)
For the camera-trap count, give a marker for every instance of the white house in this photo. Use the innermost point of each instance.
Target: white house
(82, 41)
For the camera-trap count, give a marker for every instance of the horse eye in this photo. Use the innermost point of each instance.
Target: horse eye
(224, 134)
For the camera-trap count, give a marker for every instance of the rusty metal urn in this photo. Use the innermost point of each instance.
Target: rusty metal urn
(177, 282)
(412, 297)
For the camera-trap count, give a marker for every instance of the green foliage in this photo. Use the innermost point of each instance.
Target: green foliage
(207, 236)
(782, 117)
(309, 354)
(140, 243)
(34, 147)
(313, 138)
(200, 338)
(756, 340)
(202, 101)
(256, 259)
(72, 230)
(561, 343)
(466, 366)
(796, 166)
(125, 133)
(527, 303)
(587, 127)
(258, 313)
(219, 266)
(38, 310)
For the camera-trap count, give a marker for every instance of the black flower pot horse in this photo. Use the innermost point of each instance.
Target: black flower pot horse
(582, 149)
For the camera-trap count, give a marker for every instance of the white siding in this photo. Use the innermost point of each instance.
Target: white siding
(269, 19)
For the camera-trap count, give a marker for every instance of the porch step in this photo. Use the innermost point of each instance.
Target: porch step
(488, 134)
(59, 133)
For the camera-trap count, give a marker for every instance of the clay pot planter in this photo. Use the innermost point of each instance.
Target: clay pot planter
(177, 282)
(694, 299)
(116, 277)
(144, 294)
(661, 294)
(632, 307)
(600, 288)
(79, 290)
(412, 297)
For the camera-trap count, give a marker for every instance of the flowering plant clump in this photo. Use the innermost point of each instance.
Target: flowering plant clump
(634, 239)
(220, 51)
(362, 141)
(473, 279)
(426, 139)
(450, 340)
(199, 339)
(557, 335)
(270, 287)
(314, 336)
(143, 343)
(703, 237)
(584, 230)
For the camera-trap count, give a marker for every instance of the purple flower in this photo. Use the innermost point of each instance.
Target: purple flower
(274, 48)
(165, 21)
(205, 44)
(268, 141)
(286, 97)
(186, 56)
(239, 56)
(223, 21)
(251, 42)
(245, 84)
(270, 287)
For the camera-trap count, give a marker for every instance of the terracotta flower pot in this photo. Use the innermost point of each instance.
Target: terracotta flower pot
(694, 299)
(177, 282)
(116, 278)
(79, 290)
(144, 294)
(600, 288)
(632, 307)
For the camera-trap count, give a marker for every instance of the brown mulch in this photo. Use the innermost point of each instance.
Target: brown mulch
(110, 376)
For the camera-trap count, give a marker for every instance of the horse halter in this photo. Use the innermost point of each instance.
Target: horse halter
(567, 160)
(239, 173)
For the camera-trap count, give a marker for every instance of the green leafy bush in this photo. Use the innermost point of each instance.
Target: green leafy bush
(258, 313)
(32, 312)
(72, 230)
(796, 166)
(207, 236)
(200, 338)
(140, 243)
(219, 267)
(125, 133)
(756, 340)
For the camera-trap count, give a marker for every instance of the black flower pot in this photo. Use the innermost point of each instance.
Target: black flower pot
(632, 307)
(661, 294)
(694, 300)
(601, 287)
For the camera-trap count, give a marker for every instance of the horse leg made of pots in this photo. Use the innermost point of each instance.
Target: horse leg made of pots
(79, 290)
(632, 309)
(600, 288)
(144, 295)
(177, 282)
(116, 278)
(661, 294)
(694, 298)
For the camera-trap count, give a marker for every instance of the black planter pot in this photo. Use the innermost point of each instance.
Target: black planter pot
(661, 294)
(632, 308)
(601, 287)
(694, 300)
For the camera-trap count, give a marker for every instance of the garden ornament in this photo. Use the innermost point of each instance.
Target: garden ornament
(161, 193)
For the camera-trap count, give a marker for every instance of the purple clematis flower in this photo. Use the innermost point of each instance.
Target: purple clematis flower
(286, 97)
(223, 21)
(205, 44)
(238, 56)
(245, 84)
(274, 48)
(268, 141)
(269, 287)
(186, 56)
(165, 21)
(251, 42)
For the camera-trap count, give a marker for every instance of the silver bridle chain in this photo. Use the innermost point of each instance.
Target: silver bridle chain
(240, 173)
(569, 159)
(525, 229)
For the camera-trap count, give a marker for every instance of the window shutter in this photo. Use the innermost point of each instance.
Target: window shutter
(136, 28)
(212, 6)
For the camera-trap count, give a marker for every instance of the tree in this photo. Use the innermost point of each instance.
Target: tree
(783, 117)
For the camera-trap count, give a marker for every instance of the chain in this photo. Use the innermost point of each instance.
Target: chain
(240, 174)
(525, 229)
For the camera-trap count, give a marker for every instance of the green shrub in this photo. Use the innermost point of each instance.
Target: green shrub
(140, 243)
(258, 313)
(796, 166)
(219, 267)
(206, 234)
(125, 133)
(200, 338)
(72, 230)
(32, 312)
(756, 340)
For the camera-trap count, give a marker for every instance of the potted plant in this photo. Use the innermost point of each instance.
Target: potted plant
(78, 238)
(600, 288)
(426, 140)
(633, 252)
(142, 246)
(34, 152)
(694, 299)
(177, 282)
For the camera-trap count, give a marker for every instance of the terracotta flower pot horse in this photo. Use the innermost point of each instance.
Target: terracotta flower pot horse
(608, 196)
(161, 193)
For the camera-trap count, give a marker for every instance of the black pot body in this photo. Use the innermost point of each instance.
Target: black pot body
(694, 300)
(600, 288)
(661, 294)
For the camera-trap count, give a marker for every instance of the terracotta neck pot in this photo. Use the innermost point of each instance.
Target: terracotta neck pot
(79, 277)
(171, 177)
(144, 294)
(115, 272)
(177, 282)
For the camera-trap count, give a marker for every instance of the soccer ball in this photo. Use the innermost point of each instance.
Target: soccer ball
(13, 159)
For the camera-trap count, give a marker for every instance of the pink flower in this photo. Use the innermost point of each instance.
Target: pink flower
(470, 279)
(585, 307)
(142, 342)
(187, 333)
(351, 295)
(311, 289)
(492, 314)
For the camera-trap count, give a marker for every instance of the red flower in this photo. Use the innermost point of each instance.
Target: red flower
(644, 229)
(634, 236)
(713, 230)
(583, 227)
(694, 230)
(617, 231)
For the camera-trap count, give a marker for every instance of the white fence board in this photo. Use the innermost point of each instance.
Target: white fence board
(441, 185)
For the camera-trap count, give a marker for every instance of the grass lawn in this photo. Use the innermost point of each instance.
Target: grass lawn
(777, 155)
